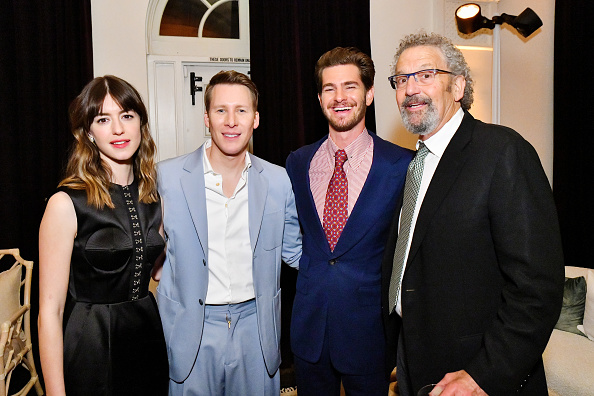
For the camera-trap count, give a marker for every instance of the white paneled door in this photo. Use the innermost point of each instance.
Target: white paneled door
(176, 102)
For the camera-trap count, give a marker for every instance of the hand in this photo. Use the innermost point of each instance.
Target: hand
(158, 267)
(459, 383)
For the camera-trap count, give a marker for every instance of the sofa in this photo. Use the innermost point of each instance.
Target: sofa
(569, 355)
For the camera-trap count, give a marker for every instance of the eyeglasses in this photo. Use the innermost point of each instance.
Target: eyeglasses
(422, 77)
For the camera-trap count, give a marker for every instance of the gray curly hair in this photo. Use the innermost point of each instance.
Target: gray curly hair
(453, 57)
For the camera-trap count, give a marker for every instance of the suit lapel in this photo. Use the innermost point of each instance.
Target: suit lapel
(366, 210)
(257, 193)
(303, 194)
(364, 213)
(192, 183)
(454, 157)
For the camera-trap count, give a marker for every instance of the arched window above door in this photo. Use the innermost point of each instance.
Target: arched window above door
(203, 28)
(201, 18)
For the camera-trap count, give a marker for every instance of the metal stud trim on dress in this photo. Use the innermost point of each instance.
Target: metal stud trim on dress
(138, 245)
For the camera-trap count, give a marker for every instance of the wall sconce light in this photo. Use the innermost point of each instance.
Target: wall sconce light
(469, 19)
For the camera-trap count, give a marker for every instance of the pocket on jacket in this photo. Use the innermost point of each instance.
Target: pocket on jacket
(168, 309)
(271, 231)
(470, 344)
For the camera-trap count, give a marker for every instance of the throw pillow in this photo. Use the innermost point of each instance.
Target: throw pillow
(588, 326)
(574, 300)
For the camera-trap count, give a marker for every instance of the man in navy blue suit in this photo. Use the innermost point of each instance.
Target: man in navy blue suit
(347, 187)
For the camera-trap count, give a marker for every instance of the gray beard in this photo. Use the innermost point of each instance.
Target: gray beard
(429, 121)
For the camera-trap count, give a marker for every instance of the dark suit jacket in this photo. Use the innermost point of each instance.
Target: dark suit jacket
(483, 284)
(339, 292)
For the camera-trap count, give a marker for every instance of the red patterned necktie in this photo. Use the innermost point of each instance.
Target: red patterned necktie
(336, 205)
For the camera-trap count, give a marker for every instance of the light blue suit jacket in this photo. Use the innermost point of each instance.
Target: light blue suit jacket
(274, 235)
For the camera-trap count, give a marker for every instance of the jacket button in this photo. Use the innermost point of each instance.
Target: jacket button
(201, 302)
(332, 262)
(204, 262)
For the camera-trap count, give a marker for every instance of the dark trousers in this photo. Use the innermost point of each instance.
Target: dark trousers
(404, 386)
(322, 379)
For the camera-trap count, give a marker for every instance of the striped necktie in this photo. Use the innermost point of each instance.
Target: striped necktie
(414, 175)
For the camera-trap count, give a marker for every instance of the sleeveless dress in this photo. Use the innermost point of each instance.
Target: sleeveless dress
(113, 338)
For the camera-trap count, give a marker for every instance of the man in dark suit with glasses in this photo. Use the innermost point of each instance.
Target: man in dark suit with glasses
(473, 270)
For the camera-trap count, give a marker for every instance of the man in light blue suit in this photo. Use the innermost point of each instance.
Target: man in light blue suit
(229, 219)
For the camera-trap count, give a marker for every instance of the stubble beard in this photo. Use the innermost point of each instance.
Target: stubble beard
(349, 123)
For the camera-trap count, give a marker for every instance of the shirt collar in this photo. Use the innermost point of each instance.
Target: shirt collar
(440, 140)
(208, 167)
(355, 151)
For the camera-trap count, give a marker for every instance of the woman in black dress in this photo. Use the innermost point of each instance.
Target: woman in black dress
(99, 328)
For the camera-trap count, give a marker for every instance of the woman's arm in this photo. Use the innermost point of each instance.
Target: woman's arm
(158, 267)
(56, 239)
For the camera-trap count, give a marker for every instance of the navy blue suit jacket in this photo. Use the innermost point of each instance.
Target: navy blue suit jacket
(339, 292)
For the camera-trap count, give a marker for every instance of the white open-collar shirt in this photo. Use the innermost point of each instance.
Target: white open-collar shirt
(230, 277)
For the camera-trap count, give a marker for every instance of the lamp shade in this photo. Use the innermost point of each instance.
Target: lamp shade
(469, 19)
(527, 22)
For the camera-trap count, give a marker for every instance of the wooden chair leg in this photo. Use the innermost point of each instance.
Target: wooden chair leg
(34, 375)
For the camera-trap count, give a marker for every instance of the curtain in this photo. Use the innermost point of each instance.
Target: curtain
(573, 164)
(286, 40)
(46, 60)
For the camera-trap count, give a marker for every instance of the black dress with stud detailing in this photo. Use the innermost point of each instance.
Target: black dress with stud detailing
(113, 338)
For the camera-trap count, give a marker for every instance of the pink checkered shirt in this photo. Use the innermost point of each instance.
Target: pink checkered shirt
(360, 158)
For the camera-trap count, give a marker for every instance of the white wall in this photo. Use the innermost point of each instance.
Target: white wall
(389, 24)
(527, 79)
(526, 65)
(119, 41)
(526, 69)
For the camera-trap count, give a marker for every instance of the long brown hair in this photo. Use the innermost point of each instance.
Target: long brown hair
(86, 170)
